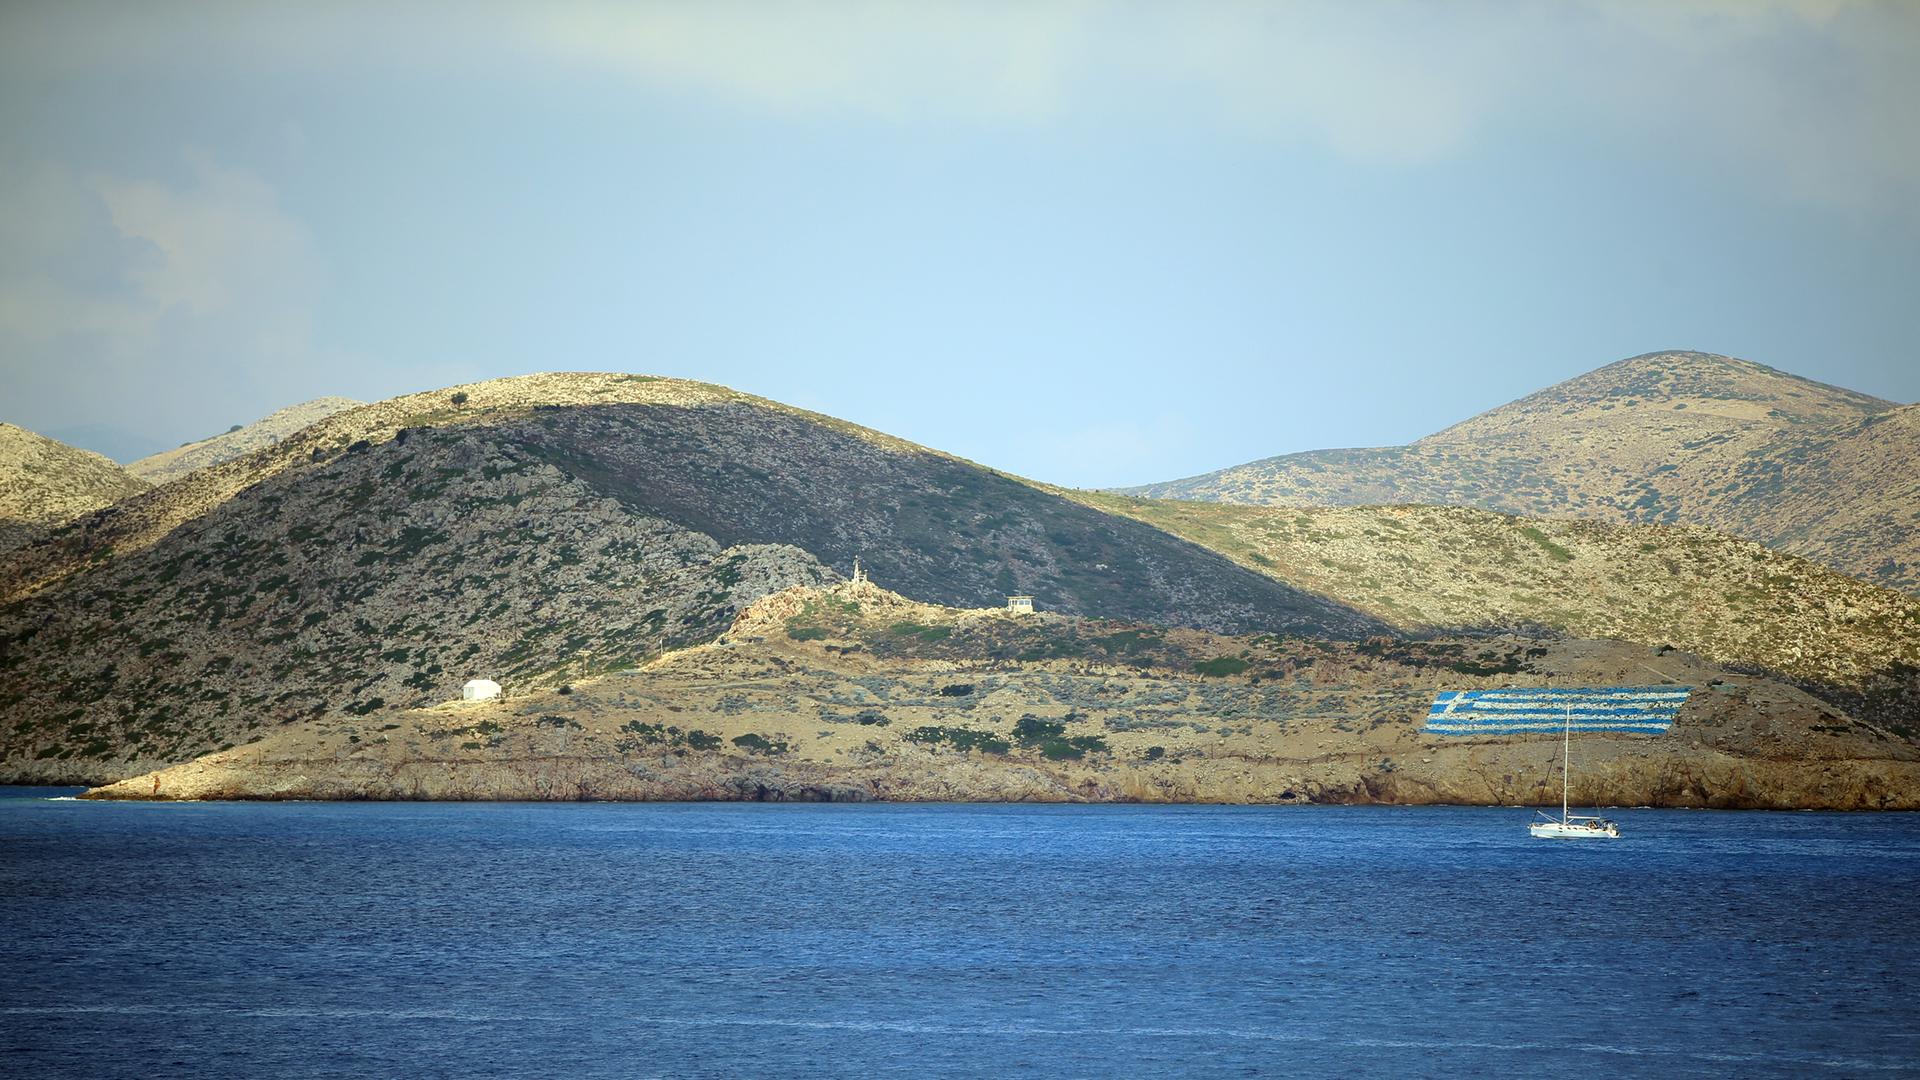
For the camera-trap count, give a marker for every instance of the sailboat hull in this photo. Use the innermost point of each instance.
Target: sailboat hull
(1574, 830)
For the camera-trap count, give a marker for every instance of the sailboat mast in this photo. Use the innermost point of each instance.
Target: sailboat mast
(1566, 759)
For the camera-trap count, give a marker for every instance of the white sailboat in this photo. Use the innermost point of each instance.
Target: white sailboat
(1571, 826)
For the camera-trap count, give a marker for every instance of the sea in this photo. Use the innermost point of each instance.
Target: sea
(724, 940)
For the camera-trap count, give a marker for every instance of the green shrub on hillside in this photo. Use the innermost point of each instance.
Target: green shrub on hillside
(1051, 739)
(1554, 551)
(961, 739)
(1072, 748)
(760, 744)
(1030, 730)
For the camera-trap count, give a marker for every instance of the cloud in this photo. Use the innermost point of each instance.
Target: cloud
(116, 283)
(1810, 97)
(213, 246)
(1813, 94)
(997, 60)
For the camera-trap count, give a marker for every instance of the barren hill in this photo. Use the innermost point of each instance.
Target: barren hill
(306, 598)
(45, 483)
(1672, 438)
(240, 439)
(529, 530)
(855, 693)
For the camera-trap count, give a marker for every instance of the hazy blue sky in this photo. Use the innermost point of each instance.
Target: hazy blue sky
(1090, 242)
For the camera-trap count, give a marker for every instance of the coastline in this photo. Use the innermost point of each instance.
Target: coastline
(1621, 773)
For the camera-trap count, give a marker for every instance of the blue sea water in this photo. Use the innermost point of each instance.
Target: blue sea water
(472, 940)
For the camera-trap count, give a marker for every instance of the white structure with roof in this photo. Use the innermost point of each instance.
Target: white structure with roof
(1020, 605)
(480, 690)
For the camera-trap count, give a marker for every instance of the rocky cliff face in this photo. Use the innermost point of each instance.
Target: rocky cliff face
(853, 693)
(1668, 438)
(45, 483)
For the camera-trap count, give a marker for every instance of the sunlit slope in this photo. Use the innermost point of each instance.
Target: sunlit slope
(45, 483)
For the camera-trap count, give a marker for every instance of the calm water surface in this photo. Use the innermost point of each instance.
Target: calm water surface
(315, 939)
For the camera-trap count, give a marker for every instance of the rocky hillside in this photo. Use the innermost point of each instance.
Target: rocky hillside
(240, 439)
(552, 529)
(45, 483)
(1671, 438)
(531, 530)
(854, 693)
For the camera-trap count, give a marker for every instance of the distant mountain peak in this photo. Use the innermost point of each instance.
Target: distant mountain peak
(238, 440)
(1670, 437)
(1640, 393)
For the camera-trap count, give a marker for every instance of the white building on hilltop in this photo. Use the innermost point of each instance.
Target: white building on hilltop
(1020, 605)
(480, 690)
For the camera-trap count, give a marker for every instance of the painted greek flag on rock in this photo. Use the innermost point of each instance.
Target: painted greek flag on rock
(1645, 709)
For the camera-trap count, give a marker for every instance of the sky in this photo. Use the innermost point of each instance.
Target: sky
(1095, 243)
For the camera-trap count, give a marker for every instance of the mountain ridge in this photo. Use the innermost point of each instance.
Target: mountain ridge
(1428, 569)
(242, 438)
(1667, 438)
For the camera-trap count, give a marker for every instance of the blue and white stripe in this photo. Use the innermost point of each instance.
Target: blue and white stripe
(1648, 710)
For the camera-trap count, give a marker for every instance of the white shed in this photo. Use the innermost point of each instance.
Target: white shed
(479, 690)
